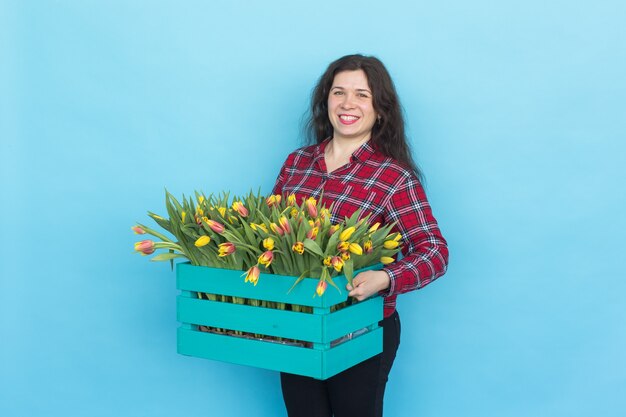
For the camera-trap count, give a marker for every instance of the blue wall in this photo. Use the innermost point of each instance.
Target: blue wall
(517, 115)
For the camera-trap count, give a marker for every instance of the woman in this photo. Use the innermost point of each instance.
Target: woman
(361, 159)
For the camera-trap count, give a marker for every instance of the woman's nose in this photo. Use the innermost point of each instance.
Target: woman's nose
(348, 101)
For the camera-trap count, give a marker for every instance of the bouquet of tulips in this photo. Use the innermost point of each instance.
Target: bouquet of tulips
(275, 234)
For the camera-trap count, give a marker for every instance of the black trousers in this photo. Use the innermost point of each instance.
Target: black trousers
(355, 392)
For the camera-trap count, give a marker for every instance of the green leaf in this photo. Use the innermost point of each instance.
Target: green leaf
(300, 278)
(167, 256)
(348, 270)
(332, 244)
(313, 247)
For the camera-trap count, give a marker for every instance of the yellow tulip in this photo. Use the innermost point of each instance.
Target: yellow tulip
(368, 246)
(182, 216)
(291, 200)
(345, 255)
(398, 237)
(390, 244)
(345, 235)
(273, 200)
(337, 263)
(252, 275)
(387, 260)
(222, 211)
(312, 234)
(374, 228)
(343, 246)
(284, 223)
(356, 249)
(327, 261)
(202, 241)
(321, 288)
(268, 243)
(298, 247)
(226, 249)
(266, 258)
(260, 226)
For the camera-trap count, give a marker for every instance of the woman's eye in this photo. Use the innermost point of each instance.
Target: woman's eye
(338, 93)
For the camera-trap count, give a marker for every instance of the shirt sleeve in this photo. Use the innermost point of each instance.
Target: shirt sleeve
(282, 176)
(425, 250)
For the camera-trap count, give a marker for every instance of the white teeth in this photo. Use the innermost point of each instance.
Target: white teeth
(348, 118)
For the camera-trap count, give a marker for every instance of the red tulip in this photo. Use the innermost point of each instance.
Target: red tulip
(226, 249)
(146, 247)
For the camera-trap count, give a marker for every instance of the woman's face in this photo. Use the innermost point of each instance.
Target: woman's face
(350, 106)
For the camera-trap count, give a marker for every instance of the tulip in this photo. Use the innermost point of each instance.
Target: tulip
(146, 247)
(273, 200)
(324, 213)
(343, 246)
(284, 223)
(311, 206)
(387, 260)
(298, 247)
(222, 211)
(276, 229)
(291, 200)
(356, 249)
(268, 243)
(182, 216)
(260, 226)
(368, 246)
(252, 275)
(138, 230)
(398, 237)
(345, 255)
(345, 235)
(374, 228)
(327, 261)
(266, 258)
(199, 211)
(226, 249)
(321, 288)
(337, 263)
(240, 208)
(390, 244)
(215, 226)
(312, 234)
(201, 199)
(333, 229)
(202, 241)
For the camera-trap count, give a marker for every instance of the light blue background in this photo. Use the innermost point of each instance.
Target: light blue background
(517, 114)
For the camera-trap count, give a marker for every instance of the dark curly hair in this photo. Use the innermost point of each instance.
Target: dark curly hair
(388, 133)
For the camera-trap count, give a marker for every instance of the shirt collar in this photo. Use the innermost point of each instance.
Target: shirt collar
(363, 153)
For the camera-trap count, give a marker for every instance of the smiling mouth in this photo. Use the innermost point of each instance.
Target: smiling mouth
(348, 119)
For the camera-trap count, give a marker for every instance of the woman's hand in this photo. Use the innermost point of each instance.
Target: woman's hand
(367, 284)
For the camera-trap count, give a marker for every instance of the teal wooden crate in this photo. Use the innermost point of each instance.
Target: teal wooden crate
(328, 336)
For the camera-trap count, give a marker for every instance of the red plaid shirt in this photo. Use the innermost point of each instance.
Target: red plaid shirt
(382, 187)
